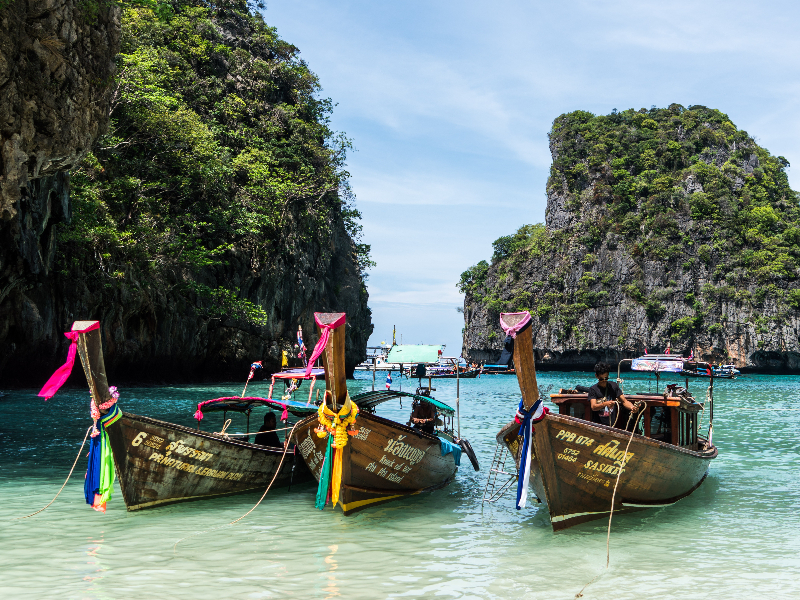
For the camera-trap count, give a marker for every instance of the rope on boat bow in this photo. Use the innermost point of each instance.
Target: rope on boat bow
(85, 437)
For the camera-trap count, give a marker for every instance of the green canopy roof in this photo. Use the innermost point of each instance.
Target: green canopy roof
(414, 354)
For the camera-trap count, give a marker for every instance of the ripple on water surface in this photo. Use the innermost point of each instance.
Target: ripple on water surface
(735, 537)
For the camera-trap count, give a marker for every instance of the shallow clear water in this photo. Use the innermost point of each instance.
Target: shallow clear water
(735, 537)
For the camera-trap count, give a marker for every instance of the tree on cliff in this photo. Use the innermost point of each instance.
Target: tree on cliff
(218, 149)
(662, 224)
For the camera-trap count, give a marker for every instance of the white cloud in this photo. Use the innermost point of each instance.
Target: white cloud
(449, 105)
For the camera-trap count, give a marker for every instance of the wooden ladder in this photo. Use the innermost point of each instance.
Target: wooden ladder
(495, 491)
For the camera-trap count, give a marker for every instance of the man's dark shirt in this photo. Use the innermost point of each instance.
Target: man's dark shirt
(423, 410)
(612, 392)
(268, 437)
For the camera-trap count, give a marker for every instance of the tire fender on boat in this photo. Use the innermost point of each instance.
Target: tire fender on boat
(466, 447)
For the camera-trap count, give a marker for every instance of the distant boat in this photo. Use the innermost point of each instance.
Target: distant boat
(726, 371)
(574, 461)
(160, 463)
(468, 374)
(380, 459)
(497, 370)
(376, 361)
(685, 366)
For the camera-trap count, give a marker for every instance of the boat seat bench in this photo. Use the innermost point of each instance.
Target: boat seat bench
(683, 415)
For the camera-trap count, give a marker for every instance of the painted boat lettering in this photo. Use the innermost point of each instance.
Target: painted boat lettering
(569, 436)
(405, 451)
(595, 478)
(187, 451)
(569, 455)
(307, 446)
(612, 451)
(363, 434)
(154, 442)
(389, 470)
(178, 464)
(602, 468)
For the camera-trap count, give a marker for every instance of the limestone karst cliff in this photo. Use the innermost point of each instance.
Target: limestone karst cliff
(662, 225)
(170, 172)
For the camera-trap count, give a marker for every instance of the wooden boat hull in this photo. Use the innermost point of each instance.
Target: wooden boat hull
(160, 463)
(385, 461)
(576, 464)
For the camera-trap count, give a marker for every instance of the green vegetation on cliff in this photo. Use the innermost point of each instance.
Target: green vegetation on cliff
(679, 191)
(218, 149)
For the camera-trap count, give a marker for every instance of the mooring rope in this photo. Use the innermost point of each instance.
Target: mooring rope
(253, 432)
(65, 481)
(225, 426)
(274, 477)
(613, 497)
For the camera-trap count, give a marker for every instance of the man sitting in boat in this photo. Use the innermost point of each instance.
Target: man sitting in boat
(423, 416)
(267, 436)
(604, 396)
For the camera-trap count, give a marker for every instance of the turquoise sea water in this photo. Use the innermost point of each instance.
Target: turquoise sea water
(737, 536)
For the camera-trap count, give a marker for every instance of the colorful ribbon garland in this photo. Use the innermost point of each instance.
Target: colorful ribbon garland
(99, 482)
(334, 426)
(526, 419)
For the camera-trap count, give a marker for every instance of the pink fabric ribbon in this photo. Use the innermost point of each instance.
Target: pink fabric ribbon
(323, 339)
(58, 378)
(514, 329)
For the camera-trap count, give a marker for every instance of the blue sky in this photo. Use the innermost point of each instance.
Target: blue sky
(449, 105)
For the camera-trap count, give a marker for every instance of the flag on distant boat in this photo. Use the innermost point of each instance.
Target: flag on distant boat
(253, 367)
(301, 353)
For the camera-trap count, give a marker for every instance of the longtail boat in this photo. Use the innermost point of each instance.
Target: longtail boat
(468, 374)
(160, 463)
(361, 459)
(573, 462)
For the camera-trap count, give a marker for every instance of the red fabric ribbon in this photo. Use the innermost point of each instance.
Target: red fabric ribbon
(323, 339)
(58, 378)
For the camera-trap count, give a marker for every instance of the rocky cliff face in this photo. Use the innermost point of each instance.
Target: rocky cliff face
(662, 226)
(56, 66)
(57, 70)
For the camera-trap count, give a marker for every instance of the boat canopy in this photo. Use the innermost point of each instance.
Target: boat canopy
(237, 404)
(299, 373)
(414, 354)
(372, 399)
(660, 365)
